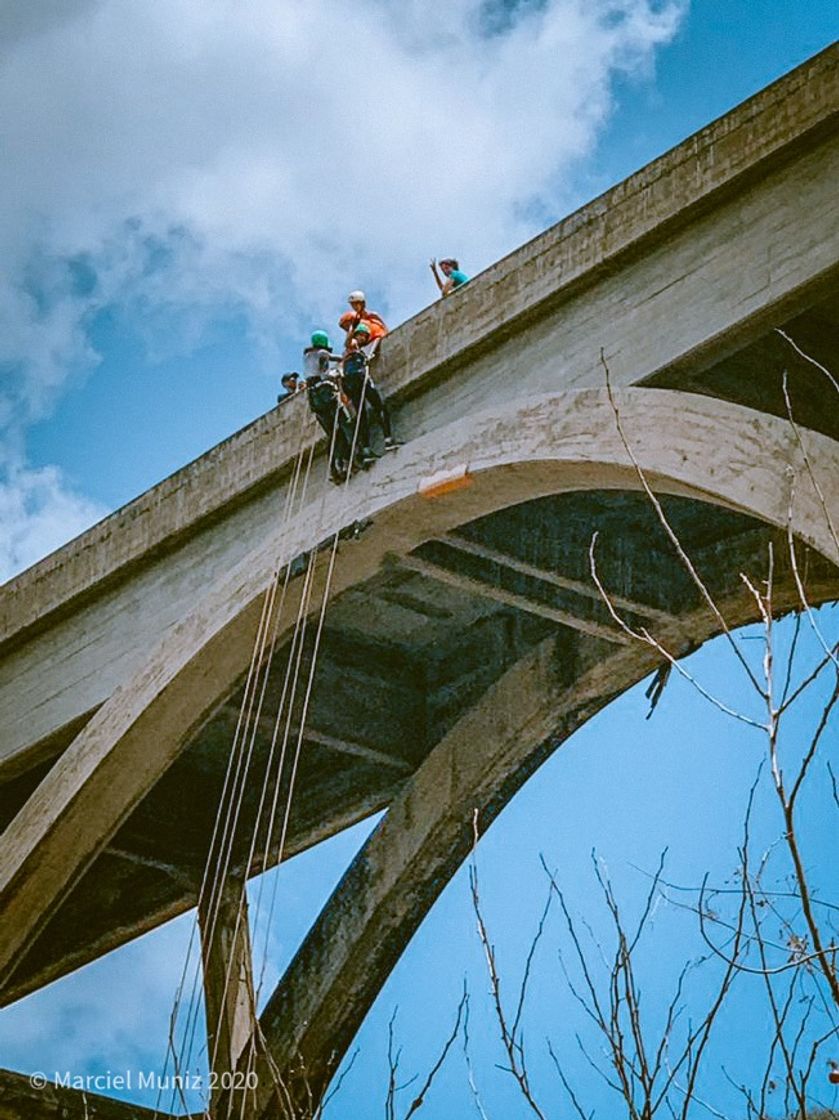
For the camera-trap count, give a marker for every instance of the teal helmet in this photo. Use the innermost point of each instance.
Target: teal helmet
(321, 339)
(362, 328)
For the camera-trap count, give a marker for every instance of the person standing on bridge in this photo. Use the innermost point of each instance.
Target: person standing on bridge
(291, 383)
(327, 402)
(360, 313)
(318, 356)
(451, 270)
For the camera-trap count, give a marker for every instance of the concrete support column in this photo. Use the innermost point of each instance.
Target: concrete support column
(228, 988)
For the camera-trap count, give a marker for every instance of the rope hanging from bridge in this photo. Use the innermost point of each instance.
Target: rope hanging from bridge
(333, 552)
(313, 665)
(218, 863)
(209, 896)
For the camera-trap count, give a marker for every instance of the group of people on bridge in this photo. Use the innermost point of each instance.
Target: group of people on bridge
(340, 391)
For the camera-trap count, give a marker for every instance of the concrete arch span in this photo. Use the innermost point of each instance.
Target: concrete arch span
(686, 445)
(334, 979)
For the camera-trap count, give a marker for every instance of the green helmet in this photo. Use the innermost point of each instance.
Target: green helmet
(362, 328)
(321, 339)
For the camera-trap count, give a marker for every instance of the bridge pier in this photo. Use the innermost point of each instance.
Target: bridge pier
(229, 1000)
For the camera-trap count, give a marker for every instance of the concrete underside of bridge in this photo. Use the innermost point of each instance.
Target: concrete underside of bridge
(465, 638)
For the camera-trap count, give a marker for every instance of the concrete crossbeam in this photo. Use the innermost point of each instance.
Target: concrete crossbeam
(356, 750)
(555, 579)
(339, 744)
(486, 590)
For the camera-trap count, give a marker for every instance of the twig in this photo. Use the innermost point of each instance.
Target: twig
(473, 1088)
(674, 540)
(574, 1101)
(807, 358)
(643, 635)
(419, 1100)
(513, 1046)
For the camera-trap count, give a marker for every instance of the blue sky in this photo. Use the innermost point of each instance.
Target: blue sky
(184, 198)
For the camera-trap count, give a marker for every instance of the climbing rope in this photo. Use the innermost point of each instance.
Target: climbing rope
(241, 756)
(211, 879)
(221, 864)
(307, 698)
(299, 741)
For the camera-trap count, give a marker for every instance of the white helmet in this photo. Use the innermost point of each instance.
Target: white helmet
(356, 297)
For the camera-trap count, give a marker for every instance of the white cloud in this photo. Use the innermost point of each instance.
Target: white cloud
(59, 1029)
(185, 159)
(38, 513)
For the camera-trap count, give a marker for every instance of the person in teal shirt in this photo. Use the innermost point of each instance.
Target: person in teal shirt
(451, 270)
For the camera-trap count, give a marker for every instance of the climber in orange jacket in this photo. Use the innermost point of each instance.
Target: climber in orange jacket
(376, 326)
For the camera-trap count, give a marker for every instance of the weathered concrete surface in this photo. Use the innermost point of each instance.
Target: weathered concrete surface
(428, 831)
(670, 272)
(146, 621)
(685, 444)
(229, 999)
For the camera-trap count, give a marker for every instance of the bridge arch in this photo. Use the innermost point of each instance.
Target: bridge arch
(687, 446)
(426, 834)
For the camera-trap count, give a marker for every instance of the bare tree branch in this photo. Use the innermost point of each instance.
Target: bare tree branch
(513, 1043)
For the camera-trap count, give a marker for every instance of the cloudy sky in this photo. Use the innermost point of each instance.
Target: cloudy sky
(188, 187)
(182, 175)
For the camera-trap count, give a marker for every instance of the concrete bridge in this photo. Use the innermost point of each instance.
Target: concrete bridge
(464, 638)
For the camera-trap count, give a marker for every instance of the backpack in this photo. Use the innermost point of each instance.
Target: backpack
(322, 395)
(355, 363)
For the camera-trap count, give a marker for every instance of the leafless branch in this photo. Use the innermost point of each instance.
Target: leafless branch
(511, 1037)
(807, 358)
(671, 533)
(578, 1108)
(643, 635)
(644, 1074)
(473, 1087)
(419, 1100)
